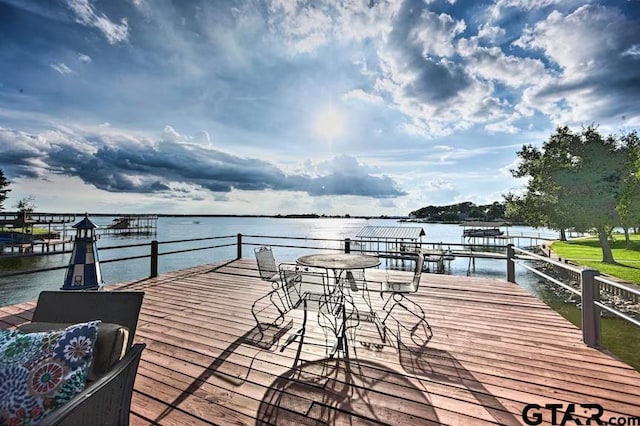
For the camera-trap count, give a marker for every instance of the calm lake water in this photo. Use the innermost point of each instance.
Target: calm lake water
(619, 337)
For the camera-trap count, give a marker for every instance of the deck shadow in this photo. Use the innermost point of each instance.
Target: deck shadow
(265, 340)
(340, 390)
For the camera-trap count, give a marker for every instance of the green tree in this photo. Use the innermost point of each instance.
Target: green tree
(539, 205)
(25, 207)
(575, 179)
(496, 210)
(4, 190)
(628, 206)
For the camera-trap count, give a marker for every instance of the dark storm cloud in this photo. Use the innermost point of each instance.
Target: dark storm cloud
(432, 80)
(435, 82)
(146, 167)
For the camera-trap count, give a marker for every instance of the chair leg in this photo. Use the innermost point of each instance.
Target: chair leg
(300, 333)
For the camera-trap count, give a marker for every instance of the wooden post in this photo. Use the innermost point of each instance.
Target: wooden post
(347, 245)
(590, 312)
(154, 259)
(511, 266)
(239, 255)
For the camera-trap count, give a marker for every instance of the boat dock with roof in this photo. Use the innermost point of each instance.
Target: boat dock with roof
(393, 243)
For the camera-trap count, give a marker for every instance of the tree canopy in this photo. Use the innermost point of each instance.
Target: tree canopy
(577, 180)
(461, 211)
(4, 188)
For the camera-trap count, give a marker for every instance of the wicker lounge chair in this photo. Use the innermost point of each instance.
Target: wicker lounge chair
(106, 399)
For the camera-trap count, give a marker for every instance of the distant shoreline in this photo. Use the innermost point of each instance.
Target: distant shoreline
(403, 219)
(277, 216)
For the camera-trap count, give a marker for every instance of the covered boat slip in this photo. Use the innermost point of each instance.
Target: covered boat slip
(391, 243)
(494, 350)
(392, 239)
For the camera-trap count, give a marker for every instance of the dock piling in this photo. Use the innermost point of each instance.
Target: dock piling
(154, 259)
(590, 312)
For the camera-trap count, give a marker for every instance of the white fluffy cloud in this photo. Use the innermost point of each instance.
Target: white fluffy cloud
(435, 33)
(86, 15)
(595, 80)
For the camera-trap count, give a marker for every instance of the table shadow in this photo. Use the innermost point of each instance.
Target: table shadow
(340, 390)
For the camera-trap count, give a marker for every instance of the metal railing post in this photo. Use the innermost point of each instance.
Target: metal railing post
(590, 312)
(347, 245)
(511, 266)
(239, 255)
(154, 259)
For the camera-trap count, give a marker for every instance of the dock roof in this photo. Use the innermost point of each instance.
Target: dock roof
(391, 232)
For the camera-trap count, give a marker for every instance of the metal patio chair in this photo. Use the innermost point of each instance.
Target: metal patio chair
(308, 289)
(400, 285)
(267, 265)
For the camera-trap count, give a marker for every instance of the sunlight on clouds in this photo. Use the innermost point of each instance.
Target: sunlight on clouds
(436, 32)
(363, 96)
(526, 5)
(592, 65)
(578, 40)
(277, 106)
(304, 28)
(330, 123)
(501, 127)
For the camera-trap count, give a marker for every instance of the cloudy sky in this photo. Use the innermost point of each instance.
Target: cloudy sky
(365, 107)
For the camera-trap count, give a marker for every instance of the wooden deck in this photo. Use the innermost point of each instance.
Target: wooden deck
(494, 349)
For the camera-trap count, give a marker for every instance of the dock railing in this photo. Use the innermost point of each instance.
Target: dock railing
(589, 288)
(589, 282)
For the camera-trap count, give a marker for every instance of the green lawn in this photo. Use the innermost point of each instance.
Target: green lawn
(36, 230)
(587, 252)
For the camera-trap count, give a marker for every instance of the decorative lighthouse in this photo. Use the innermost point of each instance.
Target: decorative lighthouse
(83, 272)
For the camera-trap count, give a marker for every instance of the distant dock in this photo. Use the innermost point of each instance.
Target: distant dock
(132, 225)
(34, 232)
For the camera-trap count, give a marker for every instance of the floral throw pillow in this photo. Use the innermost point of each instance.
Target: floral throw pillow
(39, 372)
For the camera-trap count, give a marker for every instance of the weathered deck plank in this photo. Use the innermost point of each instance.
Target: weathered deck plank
(494, 349)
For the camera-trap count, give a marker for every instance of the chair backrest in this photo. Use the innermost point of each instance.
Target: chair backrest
(418, 271)
(314, 280)
(266, 263)
(300, 283)
(118, 307)
(318, 291)
(291, 285)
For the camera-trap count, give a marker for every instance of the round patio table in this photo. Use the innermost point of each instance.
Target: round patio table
(339, 261)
